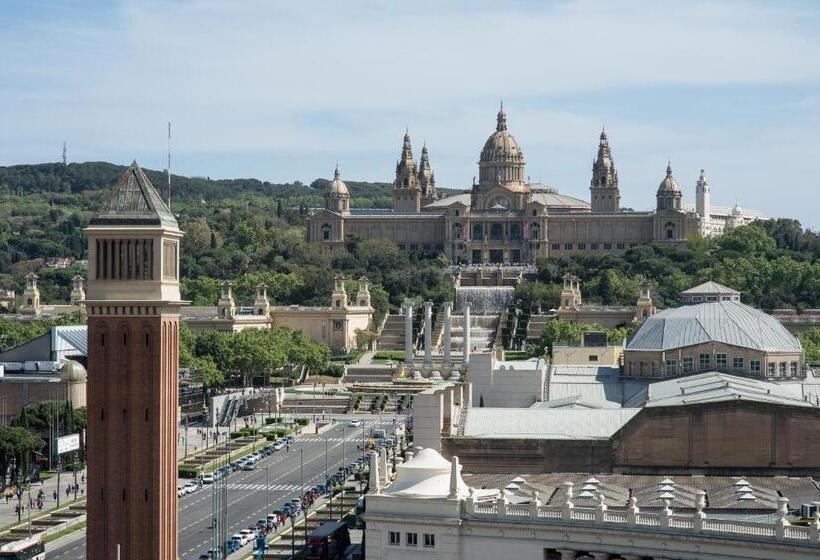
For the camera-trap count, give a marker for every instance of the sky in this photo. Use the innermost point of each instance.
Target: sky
(282, 90)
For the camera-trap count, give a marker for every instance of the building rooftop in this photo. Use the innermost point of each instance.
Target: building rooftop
(729, 322)
(710, 287)
(723, 493)
(716, 387)
(540, 423)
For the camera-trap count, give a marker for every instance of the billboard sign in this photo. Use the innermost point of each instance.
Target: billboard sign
(68, 443)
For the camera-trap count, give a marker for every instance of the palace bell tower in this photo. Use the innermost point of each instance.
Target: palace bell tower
(133, 303)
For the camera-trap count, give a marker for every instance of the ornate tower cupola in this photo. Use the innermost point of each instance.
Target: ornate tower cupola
(669, 194)
(261, 304)
(338, 300)
(363, 296)
(606, 197)
(133, 350)
(427, 180)
(78, 290)
(337, 197)
(226, 307)
(703, 200)
(644, 307)
(406, 190)
(31, 296)
(570, 294)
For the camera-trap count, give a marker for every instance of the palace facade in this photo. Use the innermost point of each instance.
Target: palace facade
(506, 219)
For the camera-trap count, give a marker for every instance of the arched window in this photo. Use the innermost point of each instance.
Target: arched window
(496, 232)
(326, 232)
(670, 230)
(478, 232)
(457, 232)
(534, 232)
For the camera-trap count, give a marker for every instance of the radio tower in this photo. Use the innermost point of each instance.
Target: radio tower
(169, 165)
(65, 154)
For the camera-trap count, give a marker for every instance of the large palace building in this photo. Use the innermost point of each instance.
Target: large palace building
(506, 219)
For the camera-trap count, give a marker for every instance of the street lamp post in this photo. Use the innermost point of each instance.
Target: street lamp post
(330, 502)
(344, 469)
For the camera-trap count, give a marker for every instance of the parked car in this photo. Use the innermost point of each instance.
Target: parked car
(238, 539)
(248, 535)
(354, 423)
(181, 491)
(231, 545)
(208, 478)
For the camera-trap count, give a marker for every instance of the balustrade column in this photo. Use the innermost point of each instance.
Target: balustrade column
(408, 334)
(448, 360)
(600, 555)
(428, 333)
(566, 554)
(466, 340)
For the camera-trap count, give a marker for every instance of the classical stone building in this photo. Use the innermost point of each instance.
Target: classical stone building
(335, 325)
(506, 219)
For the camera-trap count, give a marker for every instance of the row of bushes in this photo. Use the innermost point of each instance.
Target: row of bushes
(395, 355)
(273, 420)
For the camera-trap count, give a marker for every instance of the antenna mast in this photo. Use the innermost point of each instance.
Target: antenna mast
(65, 154)
(169, 165)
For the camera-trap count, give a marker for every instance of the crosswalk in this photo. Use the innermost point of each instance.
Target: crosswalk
(262, 487)
(322, 438)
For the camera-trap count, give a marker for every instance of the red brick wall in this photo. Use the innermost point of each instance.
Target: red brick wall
(132, 417)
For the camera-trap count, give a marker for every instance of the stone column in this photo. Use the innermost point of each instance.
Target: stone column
(408, 334)
(448, 359)
(428, 333)
(566, 554)
(600, 555)
(466, 339)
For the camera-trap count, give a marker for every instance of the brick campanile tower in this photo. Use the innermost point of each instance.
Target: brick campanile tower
(133, 317)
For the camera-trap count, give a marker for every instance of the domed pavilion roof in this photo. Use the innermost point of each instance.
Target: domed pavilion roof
(73, 372)
(729, 322)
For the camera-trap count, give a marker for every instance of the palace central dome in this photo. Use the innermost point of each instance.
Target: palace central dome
(502, 160)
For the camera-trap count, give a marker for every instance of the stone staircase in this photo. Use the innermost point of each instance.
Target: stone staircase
(369, 374)
(535, 328)
(314, 404)
(392, 335)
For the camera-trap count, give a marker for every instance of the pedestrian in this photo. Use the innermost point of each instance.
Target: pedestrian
(54, 495)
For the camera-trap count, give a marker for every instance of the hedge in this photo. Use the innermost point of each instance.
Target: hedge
(188, 472)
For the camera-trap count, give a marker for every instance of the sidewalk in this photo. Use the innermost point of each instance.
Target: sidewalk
(8, 515)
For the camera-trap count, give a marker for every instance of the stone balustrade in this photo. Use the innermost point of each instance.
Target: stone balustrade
(695, 523)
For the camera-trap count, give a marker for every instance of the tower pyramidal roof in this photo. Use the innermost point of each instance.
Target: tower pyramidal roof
(134, 201)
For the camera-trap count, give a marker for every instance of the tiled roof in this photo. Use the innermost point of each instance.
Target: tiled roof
(134, 200)
(729, 322)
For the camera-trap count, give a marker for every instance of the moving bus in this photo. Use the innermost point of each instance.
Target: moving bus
(28, 549)
(328, 542)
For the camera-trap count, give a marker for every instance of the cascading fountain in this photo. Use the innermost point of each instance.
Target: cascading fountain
(482, 332)
(485, 300)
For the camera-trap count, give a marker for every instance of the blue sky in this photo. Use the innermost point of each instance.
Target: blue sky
(281, 90)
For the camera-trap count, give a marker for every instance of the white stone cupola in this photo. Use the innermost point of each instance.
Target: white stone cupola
(363, 295)
(133, 246)
(226, 307)
(338, 299)
(261, 304)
